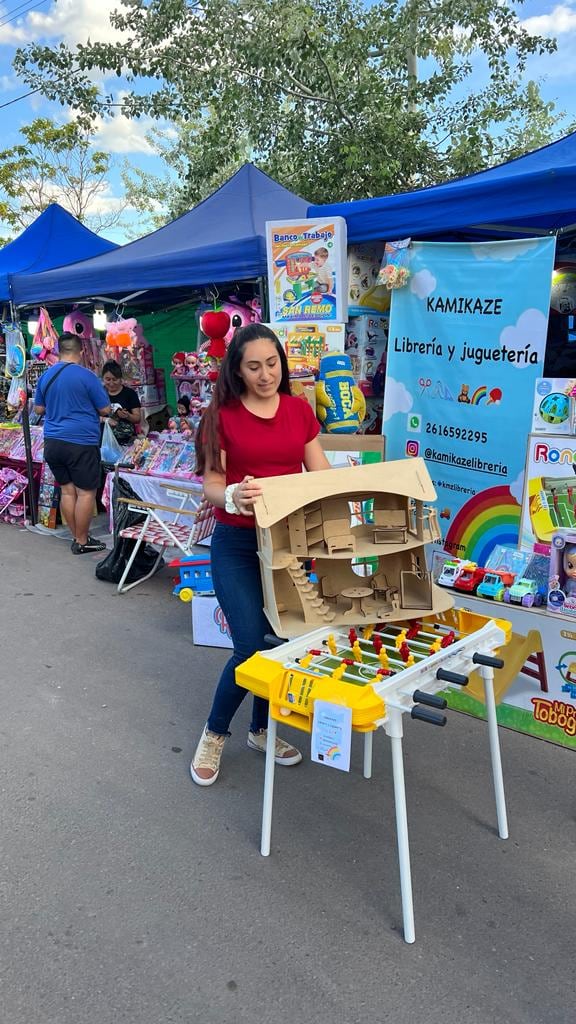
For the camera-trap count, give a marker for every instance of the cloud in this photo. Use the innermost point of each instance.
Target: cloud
(503, 251)
(71, 21)
(517, 488)
(398, 398)
(560, 21)
(422, 284)
(122, 134)
(530, 329)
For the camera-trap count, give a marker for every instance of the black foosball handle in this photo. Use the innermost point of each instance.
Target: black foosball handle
(451, 677)
(431, 717)
(430, 699)
(487, 659)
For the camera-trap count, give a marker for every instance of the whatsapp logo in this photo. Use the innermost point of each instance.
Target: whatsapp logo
(415, 422)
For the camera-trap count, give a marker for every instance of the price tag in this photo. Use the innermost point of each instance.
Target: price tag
(332, 735)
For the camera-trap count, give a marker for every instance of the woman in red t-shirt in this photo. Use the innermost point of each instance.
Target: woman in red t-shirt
(252, 428)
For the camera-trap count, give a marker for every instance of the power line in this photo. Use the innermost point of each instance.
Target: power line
(17, 98)
(16, 15)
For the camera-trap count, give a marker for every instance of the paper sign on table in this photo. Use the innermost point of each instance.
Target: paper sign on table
(332, 735)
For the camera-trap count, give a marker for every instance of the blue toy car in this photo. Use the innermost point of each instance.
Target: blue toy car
(195, 576)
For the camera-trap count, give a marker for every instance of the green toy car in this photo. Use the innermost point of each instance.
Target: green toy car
(524, 592)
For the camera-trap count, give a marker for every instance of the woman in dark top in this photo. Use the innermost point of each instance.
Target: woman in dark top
(124, 401)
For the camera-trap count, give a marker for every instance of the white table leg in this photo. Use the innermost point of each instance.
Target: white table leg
(394, 730)
(487, 674)
(368, 738)
(268, 787)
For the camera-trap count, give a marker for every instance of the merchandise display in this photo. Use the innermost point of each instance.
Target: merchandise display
(307, 270)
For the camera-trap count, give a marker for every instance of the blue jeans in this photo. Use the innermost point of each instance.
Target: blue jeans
(236, 577)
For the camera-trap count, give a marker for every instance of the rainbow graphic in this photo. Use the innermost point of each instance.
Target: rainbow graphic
(491, 517)
(333, 753)
(478, 395)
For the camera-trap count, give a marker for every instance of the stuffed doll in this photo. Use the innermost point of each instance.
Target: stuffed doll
(340, 405)
(178, 364)
(569, 568)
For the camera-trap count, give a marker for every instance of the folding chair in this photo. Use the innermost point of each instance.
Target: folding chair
(166, 533)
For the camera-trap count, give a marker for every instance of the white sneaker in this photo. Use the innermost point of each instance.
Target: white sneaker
(284, 754)
(205, 766)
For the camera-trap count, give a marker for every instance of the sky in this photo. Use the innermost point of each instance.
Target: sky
(74, 21)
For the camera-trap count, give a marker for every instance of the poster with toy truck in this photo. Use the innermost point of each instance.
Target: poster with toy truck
(307, 270)
(554, 406)
(549, 498)
(536, 689)
(305, 343)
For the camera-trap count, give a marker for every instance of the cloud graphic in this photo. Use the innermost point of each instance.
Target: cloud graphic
(530, 329)
(422, 284)
(398, 398)
(503, 252)
(517, 487)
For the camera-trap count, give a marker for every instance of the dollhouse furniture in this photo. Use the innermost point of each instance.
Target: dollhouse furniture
(331, 518)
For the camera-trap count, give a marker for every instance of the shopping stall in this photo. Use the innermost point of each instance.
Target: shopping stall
(142, 307)
(479, 366)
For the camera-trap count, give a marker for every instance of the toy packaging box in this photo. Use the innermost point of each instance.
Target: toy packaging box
(209, 626)
(554, 407)
(562, 579)
(307, 270)
(549, 496)
(366, 344)
(306, 343)
(365, 295)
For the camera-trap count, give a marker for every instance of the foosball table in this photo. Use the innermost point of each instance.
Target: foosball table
(381, 673)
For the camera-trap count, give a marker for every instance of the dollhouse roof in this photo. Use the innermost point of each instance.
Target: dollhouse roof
(406, 477)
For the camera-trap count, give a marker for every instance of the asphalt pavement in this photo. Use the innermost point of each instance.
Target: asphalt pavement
(130, 895)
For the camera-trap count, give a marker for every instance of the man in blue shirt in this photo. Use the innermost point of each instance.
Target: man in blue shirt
(73, 401)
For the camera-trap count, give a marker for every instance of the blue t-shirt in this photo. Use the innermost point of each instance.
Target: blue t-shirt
(72, 404)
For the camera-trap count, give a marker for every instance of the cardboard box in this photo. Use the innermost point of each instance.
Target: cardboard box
(307, 269)
(209, 627)
(562, 579)
(306, 343)
(553, 411)
(364, 293)
(366, 344)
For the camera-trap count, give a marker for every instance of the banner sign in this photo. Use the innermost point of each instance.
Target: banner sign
(466, 344)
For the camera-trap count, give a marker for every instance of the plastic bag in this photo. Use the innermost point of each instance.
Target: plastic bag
(111, 567)
(110, 450)
(15, 351)
(16, 393)
(394, 272)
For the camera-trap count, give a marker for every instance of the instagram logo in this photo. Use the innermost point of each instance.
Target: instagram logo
(412, 448)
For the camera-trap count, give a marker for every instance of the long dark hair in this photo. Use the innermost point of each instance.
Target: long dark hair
(230, 387)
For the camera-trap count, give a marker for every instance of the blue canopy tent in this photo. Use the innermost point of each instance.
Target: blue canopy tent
(535, 193)
(52, 240)
(221, 240)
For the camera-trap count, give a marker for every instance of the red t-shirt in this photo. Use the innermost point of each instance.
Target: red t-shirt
(259, 447)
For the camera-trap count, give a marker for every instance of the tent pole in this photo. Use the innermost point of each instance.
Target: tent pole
(263, 296)
(29, 460)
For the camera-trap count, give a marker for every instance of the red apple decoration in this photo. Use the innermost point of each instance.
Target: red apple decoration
(215, 324)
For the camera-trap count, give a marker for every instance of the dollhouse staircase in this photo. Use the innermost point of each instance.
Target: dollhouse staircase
(309, 596)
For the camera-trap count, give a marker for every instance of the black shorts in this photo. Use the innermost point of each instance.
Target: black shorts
(77, 464)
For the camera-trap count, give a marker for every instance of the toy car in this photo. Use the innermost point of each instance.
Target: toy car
(524, 592)
(469, 577)
(495, 583)
(450, 571)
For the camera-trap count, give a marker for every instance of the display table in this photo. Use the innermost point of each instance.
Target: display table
(536, 689)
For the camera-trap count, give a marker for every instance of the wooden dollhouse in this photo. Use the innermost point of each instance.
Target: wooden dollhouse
(344, 546)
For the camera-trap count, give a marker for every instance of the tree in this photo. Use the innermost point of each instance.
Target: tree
(322, 94)
(56, 163)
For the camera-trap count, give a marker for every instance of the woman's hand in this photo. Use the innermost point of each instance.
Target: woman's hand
(245, 495)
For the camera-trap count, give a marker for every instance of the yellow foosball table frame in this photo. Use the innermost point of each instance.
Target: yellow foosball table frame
(381, 673)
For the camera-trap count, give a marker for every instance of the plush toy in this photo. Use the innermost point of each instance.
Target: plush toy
(78, 323)
(122, 333)
(340, 405)
(215, 324)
